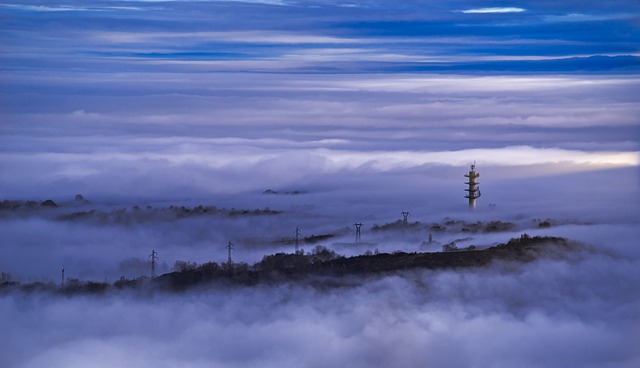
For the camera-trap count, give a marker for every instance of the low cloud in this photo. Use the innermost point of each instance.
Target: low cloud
(546, 313)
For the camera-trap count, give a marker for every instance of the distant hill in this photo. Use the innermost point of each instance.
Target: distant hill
(324, 262)
(321, 264)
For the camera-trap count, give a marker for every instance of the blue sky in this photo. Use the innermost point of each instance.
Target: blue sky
(321, 37)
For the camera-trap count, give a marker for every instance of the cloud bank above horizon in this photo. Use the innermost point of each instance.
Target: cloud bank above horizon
(102, 97)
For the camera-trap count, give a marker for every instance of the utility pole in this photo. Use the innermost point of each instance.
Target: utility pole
(297, 239)
(154, 257)
(358, 226)
(62, 279)
(405, 216)
(229, 248)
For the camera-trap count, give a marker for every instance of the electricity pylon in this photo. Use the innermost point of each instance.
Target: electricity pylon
(358, 226)
(405, 216)
(297, 239)
(154, 257)
(229, 248)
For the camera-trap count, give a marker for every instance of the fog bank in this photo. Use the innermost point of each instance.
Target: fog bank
(552, 313)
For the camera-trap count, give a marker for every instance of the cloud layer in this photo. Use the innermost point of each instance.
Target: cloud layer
(141, 88)
(547, 313)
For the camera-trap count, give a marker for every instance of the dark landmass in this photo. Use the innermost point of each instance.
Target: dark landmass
(320, 263)
(273, 192)
(12, 205)
(313, 239)
(448, 225)
(324, 262)
(134, 214)
(140, 215)
(69, 211)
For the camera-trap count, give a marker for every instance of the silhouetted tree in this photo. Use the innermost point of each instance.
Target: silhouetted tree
(322, 254)
(183, 266)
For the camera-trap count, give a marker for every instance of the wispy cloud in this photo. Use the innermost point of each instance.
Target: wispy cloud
(265, 2)
(579, 17)
(69, 8)
(249, 36)
(494, 10)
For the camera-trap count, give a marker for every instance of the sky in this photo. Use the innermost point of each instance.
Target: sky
(368, 109)
(206, 97)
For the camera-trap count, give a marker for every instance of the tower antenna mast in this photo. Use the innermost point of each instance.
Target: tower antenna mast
(473, 188)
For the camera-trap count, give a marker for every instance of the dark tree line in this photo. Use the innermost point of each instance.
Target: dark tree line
(321, 261)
